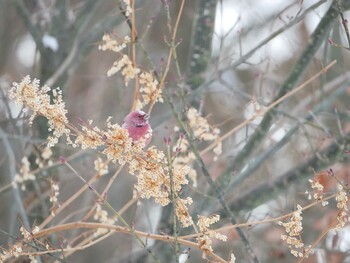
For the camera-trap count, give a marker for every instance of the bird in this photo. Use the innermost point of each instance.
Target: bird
(137, 125)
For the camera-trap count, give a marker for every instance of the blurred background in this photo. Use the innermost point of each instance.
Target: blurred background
(235, 58)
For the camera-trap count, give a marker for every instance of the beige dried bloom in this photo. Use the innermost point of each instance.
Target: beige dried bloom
(202, 130)
(46, 153)
(217, 150)
(35, 230)
(205, 241)
(118, 143)
(15, 250)
(341, 198)
(232, 258)
(109, 43)
(32, 259)
(342, 203)
(200, 126)
(184, 157)
(45, 158)
(205, 244)
(129, 72)
(28, 236)
(294, 229)
(153, 177)
(25, 233)
(150, 92)
(125, 66)
(29, 94)
(118, 65)
(182, 212)
(55, 191)
(4, 255)
(318, 189)
(24, 174)
(102, 217)
(101, 166)
(91, 137)
(128, 9)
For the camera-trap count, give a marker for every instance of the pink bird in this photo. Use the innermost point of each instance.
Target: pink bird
(136, 123)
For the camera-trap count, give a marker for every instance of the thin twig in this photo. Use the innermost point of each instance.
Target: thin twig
(321, 236)
(133, 50)
(171, 51)
(268, 108)
(104, 192)
(119, 229)
(295, 21)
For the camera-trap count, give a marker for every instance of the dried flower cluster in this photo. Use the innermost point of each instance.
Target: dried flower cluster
(182, 212)
(128, 9)
(293, 229)
(109, 43)
(14, 251)
(17, 249)
(124, 65)
(318, 191)
(232, 258)
(45, 155)
(29, 94)
(202, 130)
(200, 126)
(204, 240)
(24, 175)
(28, 236)
(153, 178)
(102, 217)
(150, 92)
(342, 203)
(185, 157)
(101, 166)
(55, 191)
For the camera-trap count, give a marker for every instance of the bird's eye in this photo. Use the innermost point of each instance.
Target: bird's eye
(140, 116)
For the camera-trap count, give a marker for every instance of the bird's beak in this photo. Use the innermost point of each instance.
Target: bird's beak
(146, 117)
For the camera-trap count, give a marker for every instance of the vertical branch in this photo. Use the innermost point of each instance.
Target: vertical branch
(200, 53)
(133, 50)
(173, 200)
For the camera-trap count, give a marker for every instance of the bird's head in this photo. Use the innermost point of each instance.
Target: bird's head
(137, 118)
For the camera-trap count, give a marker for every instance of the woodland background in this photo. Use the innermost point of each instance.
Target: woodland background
(235, 57)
